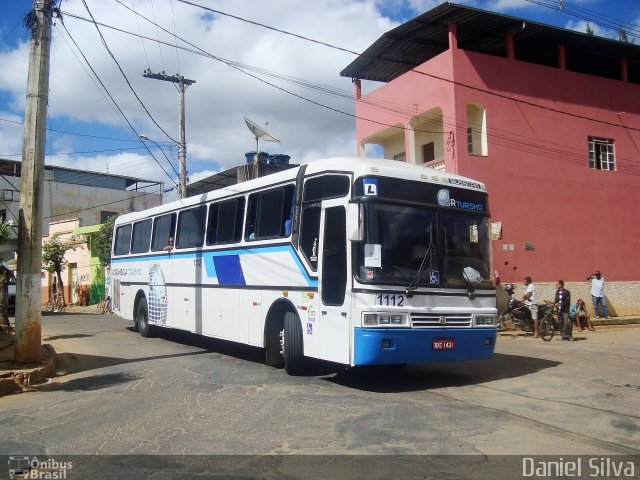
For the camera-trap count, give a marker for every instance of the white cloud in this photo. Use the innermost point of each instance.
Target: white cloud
(11, 134)
(216, 104)
(581, 26)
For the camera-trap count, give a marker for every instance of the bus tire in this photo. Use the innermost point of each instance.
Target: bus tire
(293, 350)
(273, 348)
(142, 319)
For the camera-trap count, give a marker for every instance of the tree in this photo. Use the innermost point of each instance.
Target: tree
(53, 260)
(101, 242)
(5, 234)
(589, 30)
(623, 37)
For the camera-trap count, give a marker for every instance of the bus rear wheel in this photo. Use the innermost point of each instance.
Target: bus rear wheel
(142, 319)
(292, 346)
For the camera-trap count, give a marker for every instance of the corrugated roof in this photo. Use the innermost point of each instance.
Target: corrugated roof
(426, 36)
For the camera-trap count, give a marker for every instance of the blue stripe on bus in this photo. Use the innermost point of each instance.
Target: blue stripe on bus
(210, 261)
(229, 270)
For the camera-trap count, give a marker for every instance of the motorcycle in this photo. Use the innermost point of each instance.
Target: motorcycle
(520, 316)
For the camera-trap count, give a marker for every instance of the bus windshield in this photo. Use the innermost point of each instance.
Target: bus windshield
(423, 246)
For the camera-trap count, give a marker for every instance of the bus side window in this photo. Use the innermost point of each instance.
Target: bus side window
(191, 227)
(141, 236)
(334, 256)
(122, 241)
(225, 222)
(163, 229)
(268, 213)
(310, 233)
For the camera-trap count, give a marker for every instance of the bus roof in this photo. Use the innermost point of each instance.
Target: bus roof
(358, 166)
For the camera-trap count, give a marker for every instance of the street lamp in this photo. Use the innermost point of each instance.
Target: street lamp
(144, 138)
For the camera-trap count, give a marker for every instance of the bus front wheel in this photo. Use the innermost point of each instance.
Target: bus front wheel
(142, 319)
(292, 346)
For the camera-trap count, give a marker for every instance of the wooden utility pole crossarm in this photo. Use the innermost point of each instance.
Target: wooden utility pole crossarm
(182, 83)
(28, 288)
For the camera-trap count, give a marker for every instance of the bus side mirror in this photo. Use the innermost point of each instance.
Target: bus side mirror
(355, 230)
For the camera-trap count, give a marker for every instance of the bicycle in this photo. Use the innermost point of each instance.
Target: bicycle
(56, 305)
(104, 306)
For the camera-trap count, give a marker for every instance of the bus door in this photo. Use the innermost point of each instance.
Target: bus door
(333, 323)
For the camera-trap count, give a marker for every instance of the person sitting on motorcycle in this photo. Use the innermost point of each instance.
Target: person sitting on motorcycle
(531, 300)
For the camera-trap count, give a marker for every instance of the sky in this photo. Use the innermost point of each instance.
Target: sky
(243, 65)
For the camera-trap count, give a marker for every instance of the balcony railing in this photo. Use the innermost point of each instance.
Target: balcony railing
(437, 164)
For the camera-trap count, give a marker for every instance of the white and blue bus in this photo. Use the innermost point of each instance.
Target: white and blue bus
(355, 261)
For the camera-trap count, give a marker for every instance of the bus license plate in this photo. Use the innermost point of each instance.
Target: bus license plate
(444, 343)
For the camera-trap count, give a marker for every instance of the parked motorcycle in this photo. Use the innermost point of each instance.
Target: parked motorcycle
(520, 316)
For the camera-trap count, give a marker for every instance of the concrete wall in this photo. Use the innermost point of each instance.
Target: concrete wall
(68, 201)
(65, 201)
(622, 297)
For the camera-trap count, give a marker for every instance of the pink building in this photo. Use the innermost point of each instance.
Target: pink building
(548, 118)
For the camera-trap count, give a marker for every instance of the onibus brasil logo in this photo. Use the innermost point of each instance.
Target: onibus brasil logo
(32, 467)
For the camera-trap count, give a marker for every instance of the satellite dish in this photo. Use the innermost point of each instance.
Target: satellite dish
(259, 133)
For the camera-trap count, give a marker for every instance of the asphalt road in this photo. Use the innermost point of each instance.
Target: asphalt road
(180, 394)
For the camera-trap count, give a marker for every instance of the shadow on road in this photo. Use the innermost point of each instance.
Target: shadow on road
(381, 379)
(212, 345)
(384, 379)
(62, 337)
(75, 362)
(87, 384)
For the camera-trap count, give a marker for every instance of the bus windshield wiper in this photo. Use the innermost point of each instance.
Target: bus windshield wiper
(427, 254)
(472, 293)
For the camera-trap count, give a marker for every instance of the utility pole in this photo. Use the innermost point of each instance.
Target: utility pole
(182, 84)
(28, 288)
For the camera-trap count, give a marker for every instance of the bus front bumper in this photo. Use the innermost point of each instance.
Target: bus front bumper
(384, 346)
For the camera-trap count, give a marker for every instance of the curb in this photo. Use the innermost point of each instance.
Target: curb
(603, 322)
(19, 380)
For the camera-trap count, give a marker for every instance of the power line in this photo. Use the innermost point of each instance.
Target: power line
(106, 46)
(51, 154)
(93, 80)
(413, 69)
(142, 41)
(173, 15)
(117, 106)
(235, 65)
(382, 123)
(153, 10)
(302, 37)
(591, 16)
(66, 132)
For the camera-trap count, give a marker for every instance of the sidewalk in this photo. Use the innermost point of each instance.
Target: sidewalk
(17, 378)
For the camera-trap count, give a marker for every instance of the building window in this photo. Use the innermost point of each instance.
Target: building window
(401, 157)
(477, 130)
(601, 156)
(3, 215)
(428, 152)
(104, 216)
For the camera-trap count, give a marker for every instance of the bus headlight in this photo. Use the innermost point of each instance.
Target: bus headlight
(485, 320)
(375, 319)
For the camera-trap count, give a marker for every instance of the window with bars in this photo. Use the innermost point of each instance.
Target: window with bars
(601, 154)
